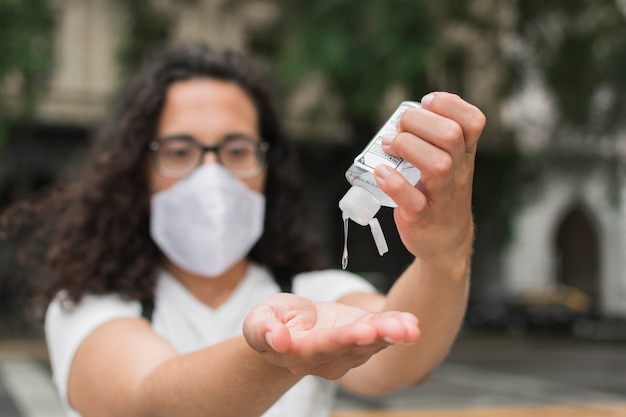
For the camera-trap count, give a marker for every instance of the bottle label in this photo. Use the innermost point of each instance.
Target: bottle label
(373, 153)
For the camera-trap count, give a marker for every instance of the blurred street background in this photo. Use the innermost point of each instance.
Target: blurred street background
(486, 374)
(546, 322)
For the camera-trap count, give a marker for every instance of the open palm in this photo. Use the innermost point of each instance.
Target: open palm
(322, 338)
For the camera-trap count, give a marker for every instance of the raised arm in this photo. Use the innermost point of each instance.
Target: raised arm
(435, 223)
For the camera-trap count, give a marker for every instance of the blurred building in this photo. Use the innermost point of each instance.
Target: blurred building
(571, 230)
(87, 73)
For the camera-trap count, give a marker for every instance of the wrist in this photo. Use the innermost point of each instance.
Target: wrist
(453, 264)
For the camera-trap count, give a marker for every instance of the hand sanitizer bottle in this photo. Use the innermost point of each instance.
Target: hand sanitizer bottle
(364, 198)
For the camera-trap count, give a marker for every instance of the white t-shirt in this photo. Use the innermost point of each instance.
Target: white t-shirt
(190, 325)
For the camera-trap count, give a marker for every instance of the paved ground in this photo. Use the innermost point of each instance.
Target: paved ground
(25, 387)
(484, 376)
(505, 376)
(602, 410)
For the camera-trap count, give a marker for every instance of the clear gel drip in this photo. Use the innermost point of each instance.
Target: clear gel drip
(344, 255)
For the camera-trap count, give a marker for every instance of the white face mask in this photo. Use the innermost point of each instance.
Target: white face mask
(207, 221)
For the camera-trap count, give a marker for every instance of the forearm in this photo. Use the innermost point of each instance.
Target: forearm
(437, 296)
(435, 223)
(229, 379)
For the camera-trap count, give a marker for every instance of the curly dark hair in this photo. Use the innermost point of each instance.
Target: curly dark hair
(96, 222)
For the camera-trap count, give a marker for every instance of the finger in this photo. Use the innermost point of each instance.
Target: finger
(420, 125)
(337, 340)
(432, 143)
(471, 120)
(358, 333)
(428, 155)
(278, 339)
(397, 327)
(264, 332)
(412, 200)
(388, 327)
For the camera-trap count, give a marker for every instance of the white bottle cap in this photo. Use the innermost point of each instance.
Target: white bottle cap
(359, 205)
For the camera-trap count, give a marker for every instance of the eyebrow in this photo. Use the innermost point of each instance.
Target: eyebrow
(225, 138)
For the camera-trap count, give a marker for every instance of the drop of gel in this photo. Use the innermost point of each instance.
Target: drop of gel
(344, 255)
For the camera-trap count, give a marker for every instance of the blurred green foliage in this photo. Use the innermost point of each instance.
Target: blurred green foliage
(580, 47)
(361, 48)
(577, 48)
(148, 29)
(25, 57)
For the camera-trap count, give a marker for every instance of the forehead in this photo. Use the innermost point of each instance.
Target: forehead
(204, 107)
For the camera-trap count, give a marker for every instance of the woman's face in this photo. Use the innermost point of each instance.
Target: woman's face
(209, 111)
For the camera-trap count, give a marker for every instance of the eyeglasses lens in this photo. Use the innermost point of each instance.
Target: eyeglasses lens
(178, 156)
(243, 156)
(239, 155)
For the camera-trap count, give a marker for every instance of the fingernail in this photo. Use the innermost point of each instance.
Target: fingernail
(389, 340)
(427, 99)
(268, 339)
(383, 171)
(388, 138)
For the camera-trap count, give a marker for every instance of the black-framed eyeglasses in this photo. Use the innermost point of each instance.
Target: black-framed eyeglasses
(176, 156)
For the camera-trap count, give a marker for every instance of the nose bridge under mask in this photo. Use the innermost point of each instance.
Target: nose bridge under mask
(210, 157)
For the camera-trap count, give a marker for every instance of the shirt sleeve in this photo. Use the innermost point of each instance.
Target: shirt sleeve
(330, 285)
(67, 326)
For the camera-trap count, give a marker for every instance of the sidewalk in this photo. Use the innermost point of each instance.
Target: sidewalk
(31, 349)
(508, 377)
(465, 391)
(29, 390)
(483, 377)
(545, 411)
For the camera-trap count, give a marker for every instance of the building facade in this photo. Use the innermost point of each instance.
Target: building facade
(573, 233)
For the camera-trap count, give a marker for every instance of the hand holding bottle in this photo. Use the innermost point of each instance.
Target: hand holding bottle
(434, 217)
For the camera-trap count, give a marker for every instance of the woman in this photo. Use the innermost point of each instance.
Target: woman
(171, 246)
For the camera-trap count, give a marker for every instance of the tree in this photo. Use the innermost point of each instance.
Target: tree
(361, 49)
(579, 47)
(485, 50)
(148, 30)
(367, 49)
(26, 58)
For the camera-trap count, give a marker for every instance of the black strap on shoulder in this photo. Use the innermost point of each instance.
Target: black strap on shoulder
(285, 285)
(147, 309)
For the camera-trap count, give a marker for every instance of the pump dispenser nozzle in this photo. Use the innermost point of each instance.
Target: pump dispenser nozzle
(361, 206)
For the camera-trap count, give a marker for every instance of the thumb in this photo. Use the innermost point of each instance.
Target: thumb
(264, 332)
